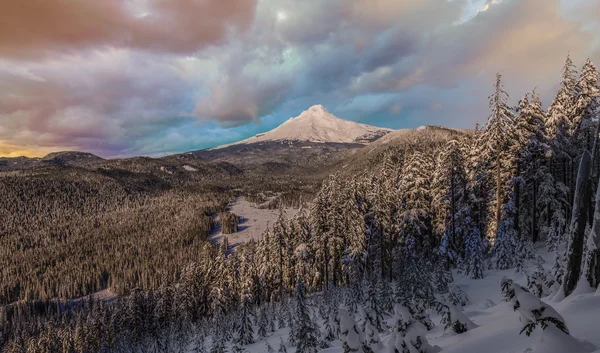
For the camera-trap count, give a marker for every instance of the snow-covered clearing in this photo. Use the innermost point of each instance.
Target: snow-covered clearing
(497, 324)
(189, 168)
(254, 221)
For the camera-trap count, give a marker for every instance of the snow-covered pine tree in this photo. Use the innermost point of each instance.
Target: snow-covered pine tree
(553, 203)
(528, 153)
(559, 123)
(244, 334)
(268, 348)
(282, 312)
(282, 348)
(480, 182)
(585, 106)
(373, 308)
(453, 318)
(442, 276)
(385, 205)
(218, 340)
(303, 251)
(330, 315)
(496, 139)
(450, 197)
(505, 243)
(535, 313)
(474, 254)
(319, 212)
(303, 331)
(408, 334)
(414, 188)
(262, 322)
(199, 340)
(353, 297)
(384, 293)
(371, 336)
(350, 335)
(540, 281)
(164, 317)
(355, 233)
(457, 296)
(556, 191)
(271, 315)
(330, 327)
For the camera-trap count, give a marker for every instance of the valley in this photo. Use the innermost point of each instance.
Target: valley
(321, 235)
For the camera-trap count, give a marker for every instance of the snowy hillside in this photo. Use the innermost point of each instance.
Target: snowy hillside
(365, 320)
(318, 125)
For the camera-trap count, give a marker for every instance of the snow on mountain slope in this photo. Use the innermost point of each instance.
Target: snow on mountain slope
(318, 125)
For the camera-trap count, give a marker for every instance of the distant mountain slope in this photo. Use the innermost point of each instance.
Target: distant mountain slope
(64, 158)
(71, 158)
(316, 124)
(421, 138)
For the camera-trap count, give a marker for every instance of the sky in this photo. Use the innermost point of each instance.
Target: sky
(153, 77)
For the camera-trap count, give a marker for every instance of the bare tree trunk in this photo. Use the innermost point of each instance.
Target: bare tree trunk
(593, 274)
(453, 210)
(326, 259)
(578, 223)
(594, 172)
(534, 225)
(498, 191)
(517, 204)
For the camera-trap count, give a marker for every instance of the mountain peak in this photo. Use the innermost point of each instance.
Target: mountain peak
(317, 124)
(318, 108)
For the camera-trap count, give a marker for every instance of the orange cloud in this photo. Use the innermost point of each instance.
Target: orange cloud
(30, 28)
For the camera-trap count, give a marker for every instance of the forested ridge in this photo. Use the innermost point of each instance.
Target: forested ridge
(381, 240)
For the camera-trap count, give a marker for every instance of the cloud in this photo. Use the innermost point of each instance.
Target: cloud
(145, 76)
(31, 28)
(99, 102)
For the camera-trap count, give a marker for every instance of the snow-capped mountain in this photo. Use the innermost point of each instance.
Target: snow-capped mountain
(316, 124)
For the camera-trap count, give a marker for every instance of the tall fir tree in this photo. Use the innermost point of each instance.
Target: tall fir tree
(304, 332)
(497, 138)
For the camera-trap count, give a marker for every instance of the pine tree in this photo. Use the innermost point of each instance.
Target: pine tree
(496, 140)
(586, 105)
(528, 156)
(303, 331)
(218, 340)
(442, 276)
(505, 244)
(373, 308)
(453, 319)
(474, 254)
(268, 348)
(408, 334)
(263, 323)
(416, 222)
(282, 348)
(450, 198)
(244, 330)
(199, 341)
(349, 334)
(533, 311)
